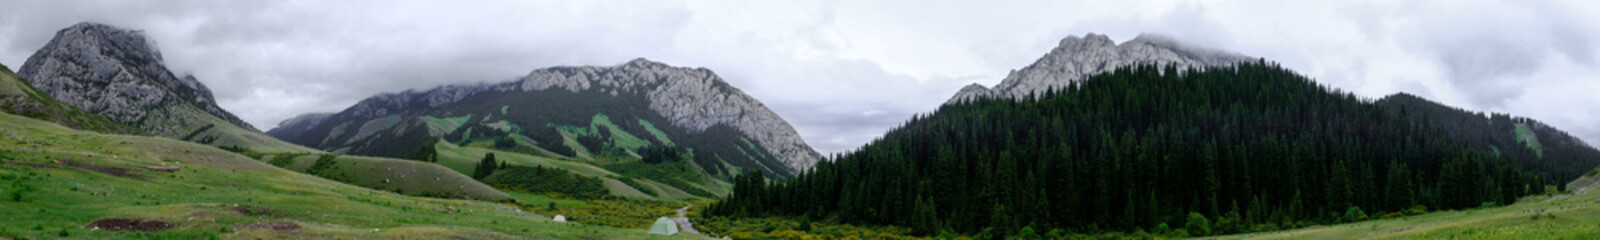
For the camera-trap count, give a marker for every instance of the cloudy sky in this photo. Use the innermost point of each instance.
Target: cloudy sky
(842, 72)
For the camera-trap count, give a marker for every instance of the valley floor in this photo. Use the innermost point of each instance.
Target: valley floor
(1562, 216)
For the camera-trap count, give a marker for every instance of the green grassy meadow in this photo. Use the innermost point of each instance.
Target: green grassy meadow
(1557, 216)
(58, 180)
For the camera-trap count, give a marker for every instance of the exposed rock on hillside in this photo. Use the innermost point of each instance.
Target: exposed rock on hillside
(692, 98)
(1076, 58)
(116, 73)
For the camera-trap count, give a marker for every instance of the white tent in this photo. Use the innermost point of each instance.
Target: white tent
(664, 226)
(560, 218)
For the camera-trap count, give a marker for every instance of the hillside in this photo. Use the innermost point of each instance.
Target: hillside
(119, 76)
(1251, 147)
(292, 128)
(576, 112)
(64, 183)
(20, 98)
(617, 120)
(1536, 145)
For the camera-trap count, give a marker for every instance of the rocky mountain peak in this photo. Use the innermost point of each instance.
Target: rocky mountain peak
(114, 72)
(971, 91)
(1090, 40)
(692, 98)
(1075, 58)
(644, 63)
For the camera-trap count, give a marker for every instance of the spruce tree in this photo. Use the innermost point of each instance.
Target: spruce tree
(485, 167)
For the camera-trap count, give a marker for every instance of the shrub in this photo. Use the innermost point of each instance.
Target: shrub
(1198, 224)
(1354, 214)
(1393, 215)
(1417, 210)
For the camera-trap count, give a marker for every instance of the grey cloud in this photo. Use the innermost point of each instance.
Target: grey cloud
(1489, 53)
(324, 54)
(824, 66)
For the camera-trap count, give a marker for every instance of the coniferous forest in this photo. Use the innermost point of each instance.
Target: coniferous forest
(1251, 147)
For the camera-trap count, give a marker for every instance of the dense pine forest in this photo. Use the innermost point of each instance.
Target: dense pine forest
(1252, 147)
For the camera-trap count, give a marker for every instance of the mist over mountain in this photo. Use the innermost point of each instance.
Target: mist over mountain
(1076, 58)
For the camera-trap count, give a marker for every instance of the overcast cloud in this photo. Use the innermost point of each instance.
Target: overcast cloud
(841, 72)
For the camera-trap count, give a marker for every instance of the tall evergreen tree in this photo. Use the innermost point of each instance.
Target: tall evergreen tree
(485, 166)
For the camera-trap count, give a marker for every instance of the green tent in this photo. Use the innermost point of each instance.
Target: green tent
(664, 226)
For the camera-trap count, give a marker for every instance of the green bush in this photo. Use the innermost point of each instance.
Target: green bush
(1198, 224)
(1417, 210)
(1354, 214)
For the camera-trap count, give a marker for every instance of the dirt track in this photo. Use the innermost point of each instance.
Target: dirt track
(683, 222)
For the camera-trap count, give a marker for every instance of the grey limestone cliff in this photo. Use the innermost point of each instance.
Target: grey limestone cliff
(116, 73)
(1078, 57)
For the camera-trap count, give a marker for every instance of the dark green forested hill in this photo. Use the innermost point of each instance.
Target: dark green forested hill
(1251, 147)
(1535, 145)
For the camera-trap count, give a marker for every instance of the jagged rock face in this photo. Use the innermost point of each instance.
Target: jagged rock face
(1077, 58)
(116, 73)
(693, 98)
(292, 127)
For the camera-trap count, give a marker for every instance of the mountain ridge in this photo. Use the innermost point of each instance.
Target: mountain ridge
(692, 98)
(1075, 58)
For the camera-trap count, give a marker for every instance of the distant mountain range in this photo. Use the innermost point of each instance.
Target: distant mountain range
(553, 111)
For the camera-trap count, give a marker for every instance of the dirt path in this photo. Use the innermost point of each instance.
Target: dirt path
(683, 222)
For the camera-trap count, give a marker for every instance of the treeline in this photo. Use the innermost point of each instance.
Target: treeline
(1252, 147)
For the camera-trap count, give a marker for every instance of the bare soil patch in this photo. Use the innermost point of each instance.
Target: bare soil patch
(275, 226)
(125, 224)
(113, 171)
(255, 211)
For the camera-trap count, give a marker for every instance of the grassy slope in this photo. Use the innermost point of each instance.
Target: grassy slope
(397, 175)
(464, 159)
(185, 122)
(404, 176)
(221, 133)
(197, 199)
(1563, 216)
(408, 176)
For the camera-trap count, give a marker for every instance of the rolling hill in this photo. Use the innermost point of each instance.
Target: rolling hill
(65, 183)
